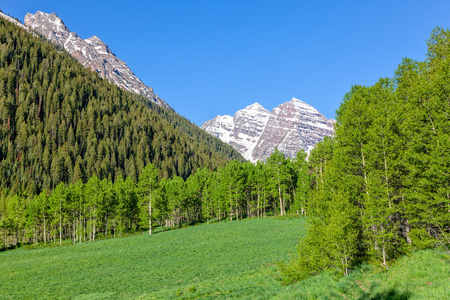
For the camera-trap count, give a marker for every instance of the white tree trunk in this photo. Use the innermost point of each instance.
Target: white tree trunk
(150, 215)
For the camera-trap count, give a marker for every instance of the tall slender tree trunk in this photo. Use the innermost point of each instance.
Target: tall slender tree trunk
(249, 210)
(35, 239)
(408, 229)
(150, 215)
(45, 236)
(73, 230)
(84, 229)
(384, 246)
(364, 169)
(281, 200)
(60, 223)
(386, 176)
(93, 224)
(211, 210)
(231, 209)
(265, 204)
(279, 193)
(237, 209)
(257, 205)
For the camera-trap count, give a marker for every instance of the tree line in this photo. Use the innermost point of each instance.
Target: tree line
(382, 187)
(103, 208)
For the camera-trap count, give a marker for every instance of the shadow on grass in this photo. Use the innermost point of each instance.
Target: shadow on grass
(391, 294)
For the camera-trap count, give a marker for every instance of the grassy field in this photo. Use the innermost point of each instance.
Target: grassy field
(230, 259)
(222, 260)
(423, 275)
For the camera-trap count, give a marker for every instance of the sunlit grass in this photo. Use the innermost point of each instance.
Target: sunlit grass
(229, 259)
(423, 275)
(222, 260)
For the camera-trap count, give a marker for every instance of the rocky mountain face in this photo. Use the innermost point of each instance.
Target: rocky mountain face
(255, 132)
(242, 131)
(92, 53)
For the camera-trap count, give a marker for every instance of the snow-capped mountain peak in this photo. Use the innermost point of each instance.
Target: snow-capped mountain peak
(255, 132)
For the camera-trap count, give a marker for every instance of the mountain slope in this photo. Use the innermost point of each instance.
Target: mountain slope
(92, 53)
(62, 122)
(255, 132)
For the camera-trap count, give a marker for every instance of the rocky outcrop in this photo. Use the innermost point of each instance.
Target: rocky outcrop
(92, 53)
(255, 132)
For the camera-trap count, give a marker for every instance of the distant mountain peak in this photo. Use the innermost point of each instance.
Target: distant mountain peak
(94, 38)
(299, 104)
(256, 104)
(52, 21)
(255, 132)
(92, 53)
(255, 107)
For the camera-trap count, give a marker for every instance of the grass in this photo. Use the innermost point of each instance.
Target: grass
(230, 259)
(423, 275)
(222, 260)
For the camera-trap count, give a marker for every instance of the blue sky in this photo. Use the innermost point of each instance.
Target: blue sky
(215, 57)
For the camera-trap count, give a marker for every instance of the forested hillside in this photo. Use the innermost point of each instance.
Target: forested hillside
(382, 185)
(60, 123)
(102, 208)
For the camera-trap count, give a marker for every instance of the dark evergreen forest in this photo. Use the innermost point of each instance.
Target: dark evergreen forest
(61, 122)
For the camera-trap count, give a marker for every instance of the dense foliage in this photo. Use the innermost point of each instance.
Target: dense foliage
(83, 212)
(60, 122)
(382, 185)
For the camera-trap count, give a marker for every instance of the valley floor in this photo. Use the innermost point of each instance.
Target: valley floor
(222, 260)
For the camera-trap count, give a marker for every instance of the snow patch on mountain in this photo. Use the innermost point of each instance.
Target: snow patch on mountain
(255, 132)
(221, 127)
(92, 53)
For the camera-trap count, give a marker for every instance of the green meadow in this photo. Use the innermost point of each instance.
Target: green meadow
(235, 259)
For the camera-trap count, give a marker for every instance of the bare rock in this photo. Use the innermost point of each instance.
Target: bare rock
(92, 53)
(255, 132)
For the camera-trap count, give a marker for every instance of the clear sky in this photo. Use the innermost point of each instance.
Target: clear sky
(212, 57)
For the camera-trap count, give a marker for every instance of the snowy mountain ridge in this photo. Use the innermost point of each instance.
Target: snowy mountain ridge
(92, 53)
(255, 132)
